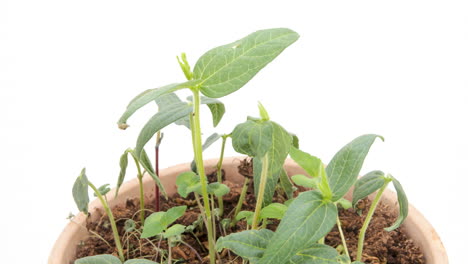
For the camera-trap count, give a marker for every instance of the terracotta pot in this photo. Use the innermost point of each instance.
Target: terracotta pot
(63, 252)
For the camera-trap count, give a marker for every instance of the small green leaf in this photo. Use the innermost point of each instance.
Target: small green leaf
(174, 230)
(146, 164)
(304, 181)
(368, 184)
(308, 162)
(247, 215)
(173, 214)
(140, 261)
(218, 189)
(307, 219)
(187, 182)
(99, 259)
(154, 225)
(316, 254)
(286, 184)
(210, 140)
(166, 101)
(343, 169)
(103, 190)
(185, 66)
(159, 121)
(149, 96)
(346, 204)
(123, 170)
(263, 112)
(274, 210)
(216, 107)
(403, 203)
(295, 142)
(80, 192)
(249, 244)
(253, 138)
(227, 68)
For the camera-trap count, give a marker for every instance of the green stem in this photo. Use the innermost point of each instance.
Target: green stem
(196, 134)
(142, 192)
(362, 233)
(219, 175)
(261, 192)
(169, 260)
(241, 200)
(111, 220)
(338, 223)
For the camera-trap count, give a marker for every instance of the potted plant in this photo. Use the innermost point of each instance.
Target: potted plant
(282, 226)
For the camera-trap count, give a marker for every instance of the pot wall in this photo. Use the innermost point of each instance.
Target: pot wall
(64, 249)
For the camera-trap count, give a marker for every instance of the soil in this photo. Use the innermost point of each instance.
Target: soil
(381, 247)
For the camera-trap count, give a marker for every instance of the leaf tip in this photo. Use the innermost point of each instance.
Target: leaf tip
(123, 126)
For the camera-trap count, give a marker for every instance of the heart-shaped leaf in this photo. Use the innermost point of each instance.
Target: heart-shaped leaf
(227, 68)
(248, 244)
(187, 182)
(343, 169)
(218, 189)
(99, 259)
(154, 225)
(80, 192)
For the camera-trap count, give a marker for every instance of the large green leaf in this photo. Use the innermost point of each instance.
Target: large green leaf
(316, 254)
(160, 120)
(80, 192)
(166, 101)
(227, 68)
(403, 203)
(344, 168)
(249, 244)
(99, 259)
(253, 138)
(307, 219)
(149, 96)
(368, 184)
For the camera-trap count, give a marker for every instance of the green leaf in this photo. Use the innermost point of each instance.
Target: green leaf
(154, 225)
(357, 262)
(218, 189)
(247, 215)
(307, 219)
(286, 184)
(129, 225)
(304, 181)
(210, 140)
(274, 210)
(123, 170)
(166, 101)
(227, 68)
(263, 112)
(174, 230)
(368, 184)
(346, 204)
(295, 142)
(103, 190)
(80, 192)
(403, 203)
(140, 261)
(149, 96)
(146, 164)
(308, 162)
(249, 244)
(99, 259)
(159, 121)
(253, 138)
(173, 214)
(316, 254)
(216, 107)
(344, 168)
(187, 182)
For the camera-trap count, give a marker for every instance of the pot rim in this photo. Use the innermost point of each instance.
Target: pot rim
(64, 249)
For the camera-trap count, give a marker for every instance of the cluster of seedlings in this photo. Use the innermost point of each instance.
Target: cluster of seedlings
(304, 219)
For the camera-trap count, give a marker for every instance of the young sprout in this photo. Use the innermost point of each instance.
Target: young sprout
(81, 197)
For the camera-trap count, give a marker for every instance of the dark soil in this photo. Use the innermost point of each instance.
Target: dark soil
(381, 247)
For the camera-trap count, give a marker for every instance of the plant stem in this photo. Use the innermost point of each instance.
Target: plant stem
(362, 233)
(156, 170)
(261, 191)
(241, 200)
(196, 132)
(142, 192)
(169, 260)
(111, 220)
(219, 175)
(338, 223)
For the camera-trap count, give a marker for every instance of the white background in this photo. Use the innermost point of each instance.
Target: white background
(68, 69)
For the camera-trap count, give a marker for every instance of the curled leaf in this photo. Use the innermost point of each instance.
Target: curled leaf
(80, 192)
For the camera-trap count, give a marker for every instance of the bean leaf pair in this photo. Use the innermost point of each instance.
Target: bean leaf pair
(159, 222)
(189, 182)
